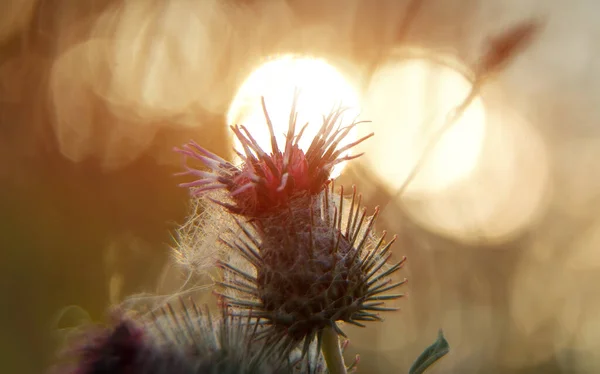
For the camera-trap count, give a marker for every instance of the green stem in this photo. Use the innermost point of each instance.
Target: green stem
(333, 352)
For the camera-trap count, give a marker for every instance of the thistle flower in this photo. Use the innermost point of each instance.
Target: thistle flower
(266, 182)
(310, 259)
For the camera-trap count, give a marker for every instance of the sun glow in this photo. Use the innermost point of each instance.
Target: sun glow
(483, 180)
(408, 101)
(321, 88)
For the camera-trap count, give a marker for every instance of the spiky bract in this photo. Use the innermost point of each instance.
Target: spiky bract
(316, 263)
(266, 182)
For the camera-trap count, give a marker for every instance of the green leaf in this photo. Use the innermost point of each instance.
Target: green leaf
(430, 355)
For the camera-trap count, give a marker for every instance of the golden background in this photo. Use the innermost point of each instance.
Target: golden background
(95, 94)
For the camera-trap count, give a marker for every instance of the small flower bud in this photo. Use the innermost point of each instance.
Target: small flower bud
(505, 46)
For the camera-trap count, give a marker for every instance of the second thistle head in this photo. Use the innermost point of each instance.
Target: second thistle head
(176, 339)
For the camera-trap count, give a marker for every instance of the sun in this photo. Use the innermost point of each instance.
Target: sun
(321, 88)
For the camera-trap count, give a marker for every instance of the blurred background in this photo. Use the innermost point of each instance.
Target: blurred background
(499, 224)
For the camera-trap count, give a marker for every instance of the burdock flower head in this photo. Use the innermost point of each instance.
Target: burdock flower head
(265, 182)
(310, 257)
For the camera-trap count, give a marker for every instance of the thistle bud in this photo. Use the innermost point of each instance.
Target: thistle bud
(314, 265)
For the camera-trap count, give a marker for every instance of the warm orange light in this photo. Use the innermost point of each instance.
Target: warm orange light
(503, 196)
(408, 102)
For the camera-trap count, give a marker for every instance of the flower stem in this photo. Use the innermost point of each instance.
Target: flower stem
(332, 352)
